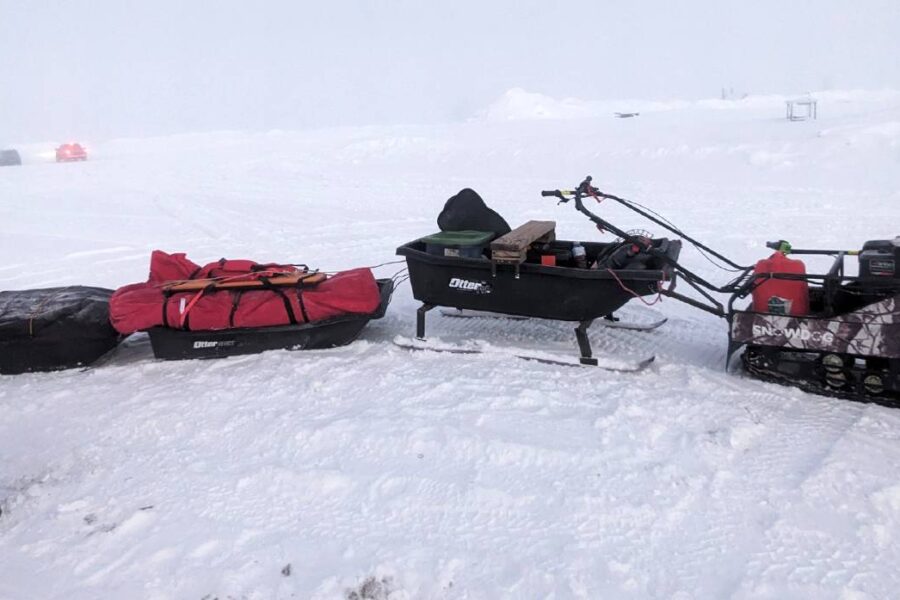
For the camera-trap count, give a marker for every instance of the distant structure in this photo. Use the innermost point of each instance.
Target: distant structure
(729, 94)
(801, 109)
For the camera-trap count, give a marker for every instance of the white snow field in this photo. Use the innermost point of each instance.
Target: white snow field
(370, 471)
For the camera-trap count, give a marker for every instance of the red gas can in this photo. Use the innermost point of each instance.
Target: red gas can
(781, 296)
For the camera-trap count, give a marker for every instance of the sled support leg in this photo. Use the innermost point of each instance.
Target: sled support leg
(420, 320)
(584, 344)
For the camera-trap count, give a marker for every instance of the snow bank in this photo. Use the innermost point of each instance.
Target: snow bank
(520, 105)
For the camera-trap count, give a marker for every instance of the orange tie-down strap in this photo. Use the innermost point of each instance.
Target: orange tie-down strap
(248, 281)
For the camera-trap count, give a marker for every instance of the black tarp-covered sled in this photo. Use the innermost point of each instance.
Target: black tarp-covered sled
(175, 344)
(527, 272)
(54, 328)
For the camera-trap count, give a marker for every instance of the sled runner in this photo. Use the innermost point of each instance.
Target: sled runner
(526, 272)
(237, 307)
(54, 328)
(614, 364)
(608, 321)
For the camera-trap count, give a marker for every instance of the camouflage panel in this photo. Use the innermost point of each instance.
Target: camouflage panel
(873, 330)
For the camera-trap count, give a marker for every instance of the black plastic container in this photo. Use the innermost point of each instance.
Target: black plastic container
(550, 292)
(176, 344)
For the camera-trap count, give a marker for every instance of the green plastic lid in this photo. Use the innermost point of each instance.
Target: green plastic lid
(459, 238)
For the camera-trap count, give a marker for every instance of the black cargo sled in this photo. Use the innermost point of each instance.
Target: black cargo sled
(527, 272)
(54, 328)
(176, 344)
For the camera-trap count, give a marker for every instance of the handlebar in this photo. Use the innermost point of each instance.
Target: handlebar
(585, 189)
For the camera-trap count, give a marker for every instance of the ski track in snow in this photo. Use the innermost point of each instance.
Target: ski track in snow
(420, 475)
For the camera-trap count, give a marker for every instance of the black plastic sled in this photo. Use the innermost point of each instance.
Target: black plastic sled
(562, 292)
(527, 272)
(177, 344)
(54, 328)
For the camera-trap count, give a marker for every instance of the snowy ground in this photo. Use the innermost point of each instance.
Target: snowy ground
(386, 474)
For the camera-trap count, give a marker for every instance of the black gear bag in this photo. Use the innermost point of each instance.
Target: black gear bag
(54, 328)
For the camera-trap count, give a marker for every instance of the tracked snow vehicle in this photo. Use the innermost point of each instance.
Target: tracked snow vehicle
(847, 343)
(828, 333)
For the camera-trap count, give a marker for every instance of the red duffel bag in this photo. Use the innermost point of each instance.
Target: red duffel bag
(236, 294)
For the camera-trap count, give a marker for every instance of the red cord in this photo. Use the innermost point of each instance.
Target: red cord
(189, 306)
(594, 195)
(633, 293)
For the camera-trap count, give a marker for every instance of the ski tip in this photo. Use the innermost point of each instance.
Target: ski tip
(635, 326)
(637, 366)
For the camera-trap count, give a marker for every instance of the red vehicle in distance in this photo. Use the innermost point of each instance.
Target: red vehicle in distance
(71, 152)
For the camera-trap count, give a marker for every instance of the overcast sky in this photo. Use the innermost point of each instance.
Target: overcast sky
(107, 68)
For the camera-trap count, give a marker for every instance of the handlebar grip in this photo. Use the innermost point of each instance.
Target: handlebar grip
(551, 193)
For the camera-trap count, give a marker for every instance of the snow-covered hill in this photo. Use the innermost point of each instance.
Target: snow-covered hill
(388, 474)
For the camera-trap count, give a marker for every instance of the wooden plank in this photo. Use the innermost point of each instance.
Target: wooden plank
(195, 285)
(512, 248)
(519, 239)
(505, 255)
